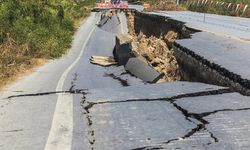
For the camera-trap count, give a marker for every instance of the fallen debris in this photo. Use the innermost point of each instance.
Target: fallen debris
(157, 51)
(103, 60)
(159, 54)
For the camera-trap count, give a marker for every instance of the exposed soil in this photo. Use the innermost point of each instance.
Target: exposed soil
(131, 20)
(157, 51)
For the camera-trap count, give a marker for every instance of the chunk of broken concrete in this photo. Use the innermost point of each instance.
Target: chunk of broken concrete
(139, 67)
(123, 48)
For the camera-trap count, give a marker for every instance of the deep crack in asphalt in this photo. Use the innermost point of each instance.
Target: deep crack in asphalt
(91, 133)
(77, 91)
(171, 99)
(122, 81)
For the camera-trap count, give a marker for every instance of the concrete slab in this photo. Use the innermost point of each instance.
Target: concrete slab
(131, 125)
(225, 52)
(222, 123)
(24, 117)
(141, 69)
(118, 122)
(232, 129)
(212, 103)
(123, 48)
(225, 120)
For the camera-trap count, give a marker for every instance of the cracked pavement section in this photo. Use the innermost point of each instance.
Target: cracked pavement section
(216, 117)
(226, 116)
(136, 116)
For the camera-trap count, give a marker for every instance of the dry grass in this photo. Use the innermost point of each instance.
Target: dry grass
(165, 6)
(15, 62)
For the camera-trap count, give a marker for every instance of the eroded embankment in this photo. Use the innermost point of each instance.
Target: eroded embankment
(154, 38)
(154, 47)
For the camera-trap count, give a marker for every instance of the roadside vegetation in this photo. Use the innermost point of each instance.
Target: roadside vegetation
(35, 30)
(167, 5)
(222, 8)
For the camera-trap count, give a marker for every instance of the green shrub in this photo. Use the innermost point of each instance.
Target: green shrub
(46, 26)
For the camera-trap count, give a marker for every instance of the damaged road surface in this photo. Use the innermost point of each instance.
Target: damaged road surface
(71, 103)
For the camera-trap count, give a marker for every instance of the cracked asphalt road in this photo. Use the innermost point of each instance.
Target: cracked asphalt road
(71, 104)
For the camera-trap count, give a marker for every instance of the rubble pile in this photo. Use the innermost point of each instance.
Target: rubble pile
(159, 54)
(157, 51)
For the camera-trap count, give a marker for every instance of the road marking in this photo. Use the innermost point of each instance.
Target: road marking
(61, 132)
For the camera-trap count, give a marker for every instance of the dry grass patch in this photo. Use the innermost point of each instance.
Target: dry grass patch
(15, 61)
(165, 5)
